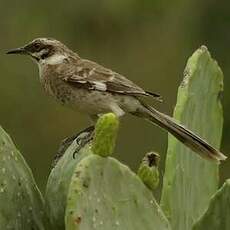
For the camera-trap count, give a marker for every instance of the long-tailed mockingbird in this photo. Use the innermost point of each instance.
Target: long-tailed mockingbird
(93, 89)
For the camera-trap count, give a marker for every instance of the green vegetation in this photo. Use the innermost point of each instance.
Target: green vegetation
(21, 204)
(217, 215)
(198, 107)
(58, 184)
(105, 135)
(105, 194)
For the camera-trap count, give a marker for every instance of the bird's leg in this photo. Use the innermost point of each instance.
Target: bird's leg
(89, 133)
(80, 139)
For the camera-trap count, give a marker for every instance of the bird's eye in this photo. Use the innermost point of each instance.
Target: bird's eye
(37, 46)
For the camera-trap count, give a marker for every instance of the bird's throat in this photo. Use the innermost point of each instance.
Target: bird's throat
(53, 60)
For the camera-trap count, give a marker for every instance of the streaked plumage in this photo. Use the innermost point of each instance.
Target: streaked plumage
(93, 89)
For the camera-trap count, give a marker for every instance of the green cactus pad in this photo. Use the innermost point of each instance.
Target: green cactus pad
(105, 194)
(189, 180)
(58, 184)
(21, 204)
(148, 170)
(218, 213)
(105, 135)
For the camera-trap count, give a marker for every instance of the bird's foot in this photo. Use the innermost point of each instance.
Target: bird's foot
(85, 137)
(82, 138)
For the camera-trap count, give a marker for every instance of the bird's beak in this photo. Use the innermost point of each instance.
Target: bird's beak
(20, 50)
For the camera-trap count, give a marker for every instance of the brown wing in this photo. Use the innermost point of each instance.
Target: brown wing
(93, 76)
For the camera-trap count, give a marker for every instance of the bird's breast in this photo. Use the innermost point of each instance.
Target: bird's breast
(58, 89)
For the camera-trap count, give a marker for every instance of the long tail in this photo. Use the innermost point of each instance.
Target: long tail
(184, 135)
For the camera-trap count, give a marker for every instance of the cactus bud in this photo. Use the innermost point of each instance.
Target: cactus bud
(105, 135)
(148, 170)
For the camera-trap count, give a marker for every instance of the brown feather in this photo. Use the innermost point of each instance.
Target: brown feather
(87, 74)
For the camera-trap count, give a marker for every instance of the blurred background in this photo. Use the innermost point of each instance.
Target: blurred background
(148, 41)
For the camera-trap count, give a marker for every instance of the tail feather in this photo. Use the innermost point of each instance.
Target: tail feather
(184, 135)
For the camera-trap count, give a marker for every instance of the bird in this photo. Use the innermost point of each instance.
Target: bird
(93, 89)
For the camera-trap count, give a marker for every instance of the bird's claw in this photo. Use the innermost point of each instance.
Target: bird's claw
(82, 141)
(79, 138)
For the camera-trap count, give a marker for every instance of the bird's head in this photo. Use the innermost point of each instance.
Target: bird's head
(41, 49)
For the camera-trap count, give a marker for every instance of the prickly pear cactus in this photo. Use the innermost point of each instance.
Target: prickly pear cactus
(105, 194)
(60, 176)
(58, 185)
(98, 192)
(189, 181)
(21, 204)
(217, 216)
